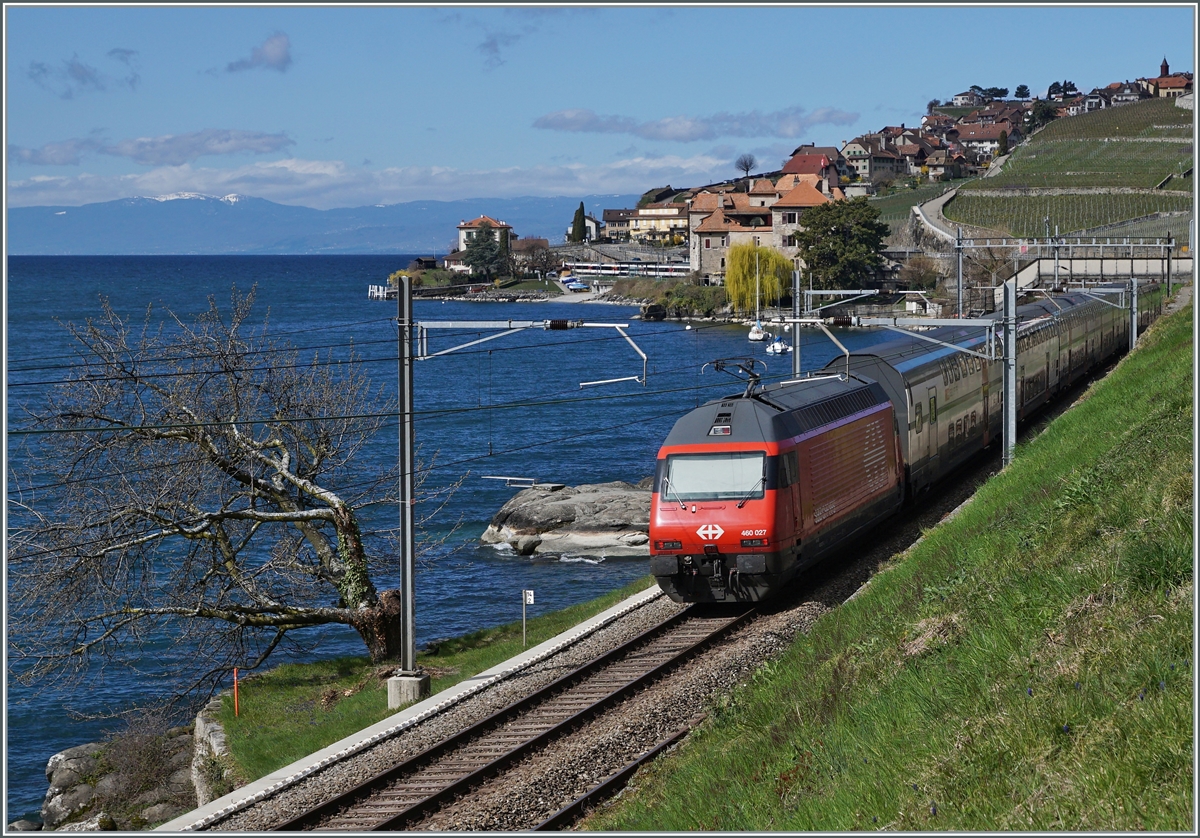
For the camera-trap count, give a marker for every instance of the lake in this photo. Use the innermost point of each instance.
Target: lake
(512, 406)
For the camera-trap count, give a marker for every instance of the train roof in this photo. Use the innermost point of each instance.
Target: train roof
(774, 412)
(907, 352)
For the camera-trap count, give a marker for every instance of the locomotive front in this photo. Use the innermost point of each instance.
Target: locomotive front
(713, 518)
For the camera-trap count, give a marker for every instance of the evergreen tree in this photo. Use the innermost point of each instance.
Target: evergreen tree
(1022, 91)
(578, 225)
(483, 254)
(1003, 144)
(840, 243)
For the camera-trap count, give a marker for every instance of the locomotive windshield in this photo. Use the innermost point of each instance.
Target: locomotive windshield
(718, 476)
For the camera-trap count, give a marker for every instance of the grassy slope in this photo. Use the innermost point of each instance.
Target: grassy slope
(1027, 666)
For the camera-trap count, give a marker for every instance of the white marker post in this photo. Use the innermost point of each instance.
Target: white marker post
(526, 599)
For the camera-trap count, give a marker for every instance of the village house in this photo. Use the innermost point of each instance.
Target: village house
(616, 224)
(659, 222)
(1073, 107)
(968, 99)
(871, 159)
(654, 222)
(1097, 100)
(984, 140)
(944, 164)
(1167, 85)
(936, 124)
(832, 152)
(1125, 93)
(767, 214)
(592, 229)
(818, 165)
(467, 231)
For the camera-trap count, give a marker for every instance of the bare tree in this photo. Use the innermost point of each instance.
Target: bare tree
(196, 484)
(920, 272)
(745, 163)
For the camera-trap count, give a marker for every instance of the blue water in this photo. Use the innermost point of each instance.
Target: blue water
(560, 433)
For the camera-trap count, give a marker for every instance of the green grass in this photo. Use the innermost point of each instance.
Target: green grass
(1024, 216)
(1088, 163)
(957, 113)
(1149, 118)
(1027, 666)
(297, 709)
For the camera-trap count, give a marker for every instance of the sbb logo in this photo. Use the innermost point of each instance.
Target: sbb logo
(710, 532)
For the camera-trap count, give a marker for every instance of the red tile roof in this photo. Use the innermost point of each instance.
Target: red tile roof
(806, 164)
(804, 195)
(466, 225)
(718, 222)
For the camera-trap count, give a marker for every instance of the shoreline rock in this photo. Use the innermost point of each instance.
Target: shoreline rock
(106, 786)
(89, 787)
(598, 519)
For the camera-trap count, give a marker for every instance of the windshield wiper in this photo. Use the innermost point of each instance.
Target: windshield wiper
(667, 494)
(746, 497)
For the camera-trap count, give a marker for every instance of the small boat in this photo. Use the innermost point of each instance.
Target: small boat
(757, 332)
(778, 346)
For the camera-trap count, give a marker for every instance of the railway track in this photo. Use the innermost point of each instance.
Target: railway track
(422, 784)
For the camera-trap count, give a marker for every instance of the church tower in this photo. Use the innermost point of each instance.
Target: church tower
(1164, 70)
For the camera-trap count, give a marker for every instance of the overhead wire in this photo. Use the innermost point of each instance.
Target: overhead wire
(290, 348)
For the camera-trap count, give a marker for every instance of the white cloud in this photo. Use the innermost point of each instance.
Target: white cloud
(176, 149)
(274, 54)
(167, 150)
(325, 184)
(65, 153)
(791, 123)
(68, 80)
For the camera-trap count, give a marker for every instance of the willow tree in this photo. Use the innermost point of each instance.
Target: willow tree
(744, 263)
(196, 488)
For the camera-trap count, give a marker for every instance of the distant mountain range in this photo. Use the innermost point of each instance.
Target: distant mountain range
(189, 223)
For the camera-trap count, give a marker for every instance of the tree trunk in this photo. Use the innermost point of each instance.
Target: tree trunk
(381, 627)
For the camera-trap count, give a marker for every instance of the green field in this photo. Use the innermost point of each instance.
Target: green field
(1027, 666)
(1133, 163)
(1150, 118)
(1024, 217)
(1127, 146)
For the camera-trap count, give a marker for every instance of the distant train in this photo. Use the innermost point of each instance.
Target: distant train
(753, 488)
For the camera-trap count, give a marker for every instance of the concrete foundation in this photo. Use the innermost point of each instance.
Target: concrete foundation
(405, 689)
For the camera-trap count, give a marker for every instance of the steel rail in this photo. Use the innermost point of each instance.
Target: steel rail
(511, 747)
(609, 786)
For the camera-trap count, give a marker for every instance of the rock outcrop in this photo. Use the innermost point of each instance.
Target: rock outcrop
(121, 785)
(600, 519)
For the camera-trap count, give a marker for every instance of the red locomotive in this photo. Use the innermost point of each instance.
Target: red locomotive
(781, 476)
(753, 488)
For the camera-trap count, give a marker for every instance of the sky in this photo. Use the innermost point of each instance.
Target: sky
(341, 106)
